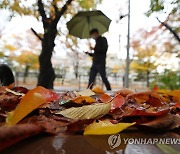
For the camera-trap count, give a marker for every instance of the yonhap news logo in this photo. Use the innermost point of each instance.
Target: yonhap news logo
(115, 140)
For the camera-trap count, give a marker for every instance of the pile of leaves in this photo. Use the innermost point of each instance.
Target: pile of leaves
(24, 113)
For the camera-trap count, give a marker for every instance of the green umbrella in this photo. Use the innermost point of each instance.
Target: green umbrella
(84, 21)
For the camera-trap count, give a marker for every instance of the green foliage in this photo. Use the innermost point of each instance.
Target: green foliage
(161, 5)
(168, 80)
(155, 6)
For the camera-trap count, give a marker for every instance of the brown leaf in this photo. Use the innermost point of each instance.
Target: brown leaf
(16, 133)
(165, 122)
(50, 125)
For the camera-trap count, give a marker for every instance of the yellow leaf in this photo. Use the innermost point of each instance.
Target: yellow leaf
(105, 127)
(87, 111)
(29, 102)
(175, 94)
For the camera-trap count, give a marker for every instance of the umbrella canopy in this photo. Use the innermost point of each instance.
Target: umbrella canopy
(84, 21)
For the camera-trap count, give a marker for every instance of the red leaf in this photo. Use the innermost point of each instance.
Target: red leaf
(49, 95)
(118, 101)
(20, 90)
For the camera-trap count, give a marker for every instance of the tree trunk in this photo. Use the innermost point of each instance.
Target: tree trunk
(47, 74)
(46, 71)
(76, 70)
(147, 78)
(26, 73)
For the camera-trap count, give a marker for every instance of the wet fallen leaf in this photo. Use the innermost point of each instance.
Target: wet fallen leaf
(28, 103)
(81, 99)
(165, 122)
(49, 124)
(86, 112)
(124, 92)
(175, 94)
(137, 112)
(16, 133)
(177, 105)
(105, 127)
(105, 98)
(87, 92)
(150, 97)
(49, 95)
(15, 93)
(98, 90)
(118, 101)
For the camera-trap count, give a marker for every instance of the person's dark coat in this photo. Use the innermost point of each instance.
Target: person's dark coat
(100, 50)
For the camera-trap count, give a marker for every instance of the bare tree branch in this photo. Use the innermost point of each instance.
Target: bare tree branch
(42, 12)
(36, 34)
(170, 29)
(54, 4)
(62, 11)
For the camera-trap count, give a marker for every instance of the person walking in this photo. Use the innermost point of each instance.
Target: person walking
(99, 59)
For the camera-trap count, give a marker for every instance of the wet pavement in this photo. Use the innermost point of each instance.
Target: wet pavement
(79, 144)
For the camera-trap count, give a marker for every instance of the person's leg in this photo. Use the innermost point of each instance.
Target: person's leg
(102, 72)
(92, 76)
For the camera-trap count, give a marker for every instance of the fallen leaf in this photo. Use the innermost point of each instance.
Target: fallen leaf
(49, 95)
(105, 98)
(81, 99)
(15, 93)
(86, 112)
(87, 92)
(175, 94)
(16, 133)
(20, 90)
(118, 101)
(137, 112)
(177, 105)
(49, 124)
(165, 122)
(28, 103)
(150, 97)
(124, 92)
(98, 90)
(105, 127)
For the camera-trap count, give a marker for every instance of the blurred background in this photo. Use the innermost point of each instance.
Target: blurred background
(154, 42)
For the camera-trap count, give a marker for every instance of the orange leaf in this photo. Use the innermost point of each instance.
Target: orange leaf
(32, 100)
(177, 105)
(105, 98)
(98, 90)
(124, 92)
(81, 99)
